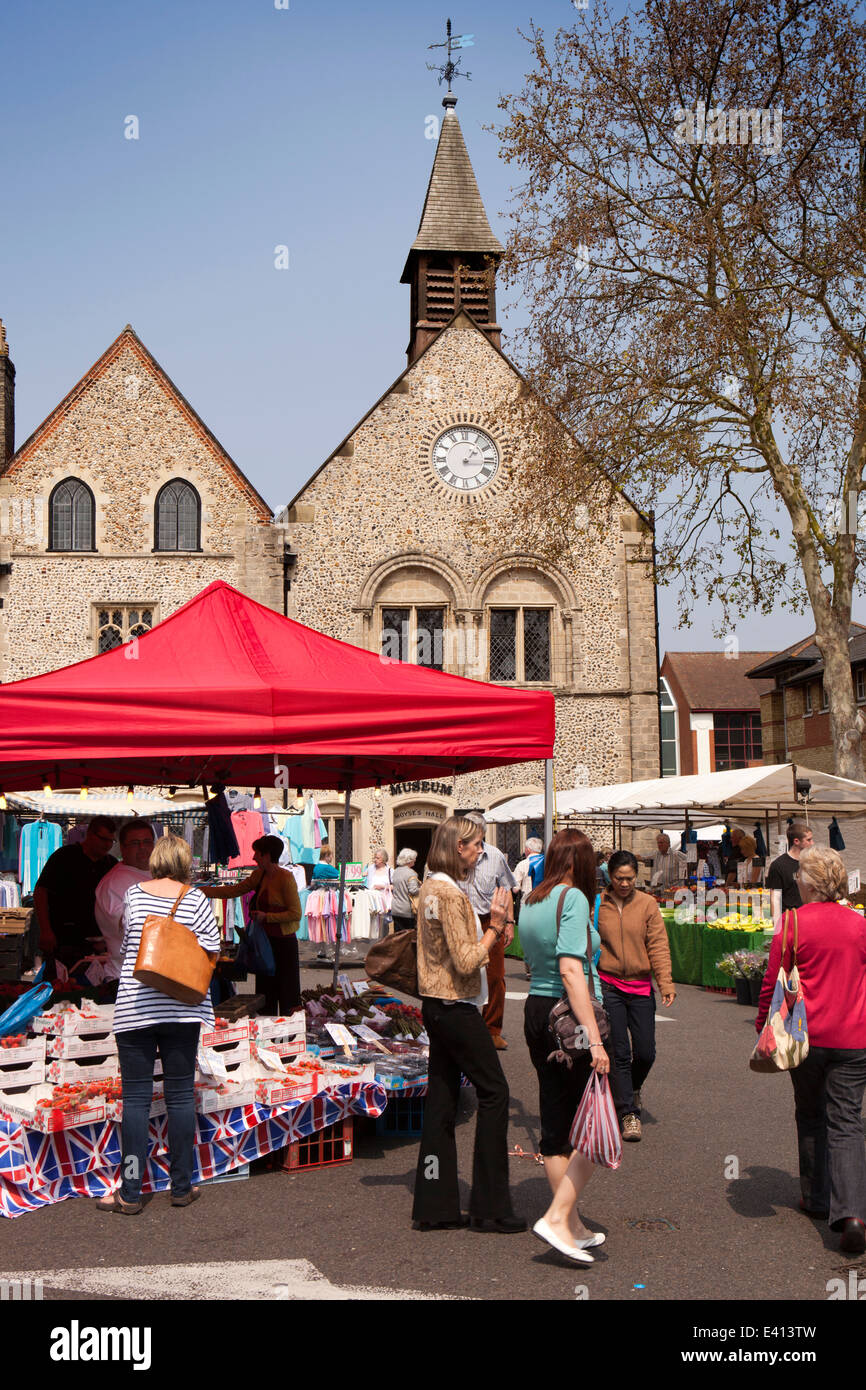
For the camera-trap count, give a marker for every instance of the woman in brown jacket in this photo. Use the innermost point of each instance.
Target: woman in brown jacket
(452, 949)
(634, 947)
(277, 905)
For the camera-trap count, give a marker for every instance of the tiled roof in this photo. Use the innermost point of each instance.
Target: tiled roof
(714, 681)
(454, 218)
(805, 654)
(856, 652)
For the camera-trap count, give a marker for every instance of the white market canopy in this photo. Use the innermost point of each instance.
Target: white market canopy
(102, 802)
(700, 797)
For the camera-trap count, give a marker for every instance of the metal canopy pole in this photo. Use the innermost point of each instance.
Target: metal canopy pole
(548, 802)
(342, 888)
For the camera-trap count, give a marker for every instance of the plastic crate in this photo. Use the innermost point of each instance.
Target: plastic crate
(322, 1149)
(402, 1115)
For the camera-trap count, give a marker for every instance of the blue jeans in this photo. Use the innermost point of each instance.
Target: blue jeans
(137, 1049)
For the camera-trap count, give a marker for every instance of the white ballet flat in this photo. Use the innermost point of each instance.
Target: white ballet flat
(597, 1238)
(571, 1252)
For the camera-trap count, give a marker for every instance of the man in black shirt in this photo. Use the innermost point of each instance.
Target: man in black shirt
(780, 875)
(65, 893)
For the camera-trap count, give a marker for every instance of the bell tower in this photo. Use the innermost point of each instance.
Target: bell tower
(452, 261)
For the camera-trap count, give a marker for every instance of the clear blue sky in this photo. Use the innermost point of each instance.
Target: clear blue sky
(258, 127)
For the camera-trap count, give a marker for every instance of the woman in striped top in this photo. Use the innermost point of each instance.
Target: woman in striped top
(147, 1022)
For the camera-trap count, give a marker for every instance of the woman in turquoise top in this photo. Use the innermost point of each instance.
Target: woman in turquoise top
(559, 965)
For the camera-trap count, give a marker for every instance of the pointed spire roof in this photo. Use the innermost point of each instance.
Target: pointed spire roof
(453, 218)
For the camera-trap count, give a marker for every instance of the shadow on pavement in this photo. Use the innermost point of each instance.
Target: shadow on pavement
(760, 1192)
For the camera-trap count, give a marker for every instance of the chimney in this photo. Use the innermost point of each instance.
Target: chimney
(7, 402)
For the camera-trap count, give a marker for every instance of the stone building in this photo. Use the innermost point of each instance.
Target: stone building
(394, 553)
(118, 508)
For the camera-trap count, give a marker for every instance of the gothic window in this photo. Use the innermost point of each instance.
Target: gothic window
(120, 622)
(508, 840)
(178, 517)
(520, 645)
(670, 745)
(71, 516)
(414, 634)
(334, 835)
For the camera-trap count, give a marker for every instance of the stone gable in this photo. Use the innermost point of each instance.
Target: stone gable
(124, 431)
(376, 528)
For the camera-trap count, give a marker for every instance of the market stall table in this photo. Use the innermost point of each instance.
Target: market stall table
(39, 1169)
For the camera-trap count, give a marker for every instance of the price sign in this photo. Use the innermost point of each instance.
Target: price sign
(368, 1036)
(854, 881)
(341, 1035)
(346, 985)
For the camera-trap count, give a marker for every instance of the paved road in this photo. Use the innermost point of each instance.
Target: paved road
(678, 1226)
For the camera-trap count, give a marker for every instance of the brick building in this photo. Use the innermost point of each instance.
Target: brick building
(795, 716)
(711, 718)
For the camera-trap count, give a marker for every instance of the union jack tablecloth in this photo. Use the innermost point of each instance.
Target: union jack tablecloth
(38, 1169)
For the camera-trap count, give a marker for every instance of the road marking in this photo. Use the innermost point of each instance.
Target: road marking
(297, 1280)
(511, 994)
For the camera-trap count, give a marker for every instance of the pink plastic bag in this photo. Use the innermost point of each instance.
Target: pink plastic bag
(595, 1131)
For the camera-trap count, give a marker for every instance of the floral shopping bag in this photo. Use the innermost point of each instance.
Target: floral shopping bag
(595, 1131)
(784, 1039)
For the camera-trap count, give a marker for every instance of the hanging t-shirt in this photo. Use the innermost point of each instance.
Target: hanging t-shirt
(38, 842)
(247, 826)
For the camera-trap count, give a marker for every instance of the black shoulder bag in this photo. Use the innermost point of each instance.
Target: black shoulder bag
(569, 1036)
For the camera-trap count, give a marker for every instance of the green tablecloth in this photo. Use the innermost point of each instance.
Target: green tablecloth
(515, 949)
(695, 949)
(685, 941)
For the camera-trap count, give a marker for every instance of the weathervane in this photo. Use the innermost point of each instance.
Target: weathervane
(449, 70)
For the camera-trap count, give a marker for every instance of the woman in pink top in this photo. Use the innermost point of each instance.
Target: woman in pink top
(829, 1084)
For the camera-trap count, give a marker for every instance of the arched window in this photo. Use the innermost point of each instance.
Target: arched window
(670, 751)
(178, 517)
(71, 516)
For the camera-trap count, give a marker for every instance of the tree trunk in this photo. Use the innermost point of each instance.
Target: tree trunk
(832, 638)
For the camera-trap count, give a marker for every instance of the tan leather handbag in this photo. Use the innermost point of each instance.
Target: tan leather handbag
(171, 960)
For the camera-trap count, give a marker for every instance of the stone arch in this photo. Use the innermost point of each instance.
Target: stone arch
(520, 560)
(413, 559)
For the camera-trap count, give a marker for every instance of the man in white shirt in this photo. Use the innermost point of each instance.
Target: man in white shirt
(137, 839)
(667, 865)
(523, 883)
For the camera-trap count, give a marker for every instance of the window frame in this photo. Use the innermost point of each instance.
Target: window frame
(808, 708)
(671, 708)
(520, 644)
(413, 610)
(860, 684)
(749, 731)
(825, 699)
(125, 607)
(176, 550)
(72, 549)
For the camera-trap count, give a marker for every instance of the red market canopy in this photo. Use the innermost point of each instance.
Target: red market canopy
(226, 690)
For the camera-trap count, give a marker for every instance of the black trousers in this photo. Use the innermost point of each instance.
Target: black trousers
(631, 1045)
(828, 1097)
(560, 1087)
(460, 1042)
(282, 990)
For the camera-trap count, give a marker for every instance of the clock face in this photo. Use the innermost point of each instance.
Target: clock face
(465, 457)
